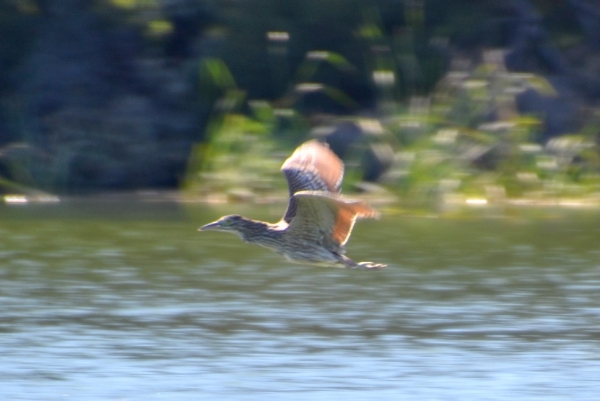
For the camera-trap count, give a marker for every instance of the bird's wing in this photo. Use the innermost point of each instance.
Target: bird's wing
(312, 167)
(327, 218)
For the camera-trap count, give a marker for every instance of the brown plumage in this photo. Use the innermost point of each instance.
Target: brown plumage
(318, 220)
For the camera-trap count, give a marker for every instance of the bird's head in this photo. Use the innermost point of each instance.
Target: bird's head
(232, 222)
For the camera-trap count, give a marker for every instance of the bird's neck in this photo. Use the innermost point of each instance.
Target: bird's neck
(258, 232)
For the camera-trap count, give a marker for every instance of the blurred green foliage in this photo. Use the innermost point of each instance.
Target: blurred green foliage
(262, 72)
(446, 150)
(235, 159)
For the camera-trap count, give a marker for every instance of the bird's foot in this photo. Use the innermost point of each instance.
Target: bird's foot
(347, 262)
(370, 265)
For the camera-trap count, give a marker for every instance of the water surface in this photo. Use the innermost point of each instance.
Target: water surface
(127, 301)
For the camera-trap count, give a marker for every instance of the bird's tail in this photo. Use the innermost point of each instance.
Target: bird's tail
(363, 210)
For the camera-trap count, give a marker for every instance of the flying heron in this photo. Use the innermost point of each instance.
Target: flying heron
(318, 220)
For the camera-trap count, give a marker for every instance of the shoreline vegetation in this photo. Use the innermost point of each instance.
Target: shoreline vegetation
(449, 206)
(427, 111)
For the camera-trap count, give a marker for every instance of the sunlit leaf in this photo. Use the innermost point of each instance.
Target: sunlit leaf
(313, 60)
(370, 31)
(542, 85)
(160, 27)
(215, 71)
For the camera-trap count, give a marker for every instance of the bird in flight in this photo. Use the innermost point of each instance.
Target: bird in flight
(318, 220)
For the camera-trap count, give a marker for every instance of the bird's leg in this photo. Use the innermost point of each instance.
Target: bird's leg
(347, 262)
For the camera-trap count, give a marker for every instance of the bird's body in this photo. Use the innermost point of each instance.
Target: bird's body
(318, 221)
(277, 238)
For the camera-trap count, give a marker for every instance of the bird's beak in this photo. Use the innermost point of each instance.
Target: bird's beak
(215, 225)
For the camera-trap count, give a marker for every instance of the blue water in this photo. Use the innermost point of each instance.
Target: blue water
(130, 302)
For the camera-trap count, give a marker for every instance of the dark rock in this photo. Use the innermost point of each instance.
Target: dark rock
(347, 138)
(558, 113)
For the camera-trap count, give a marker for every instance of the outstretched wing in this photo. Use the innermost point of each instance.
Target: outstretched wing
(327, 218)
(312, 167)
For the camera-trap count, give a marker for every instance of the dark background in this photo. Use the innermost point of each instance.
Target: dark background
(98, 95)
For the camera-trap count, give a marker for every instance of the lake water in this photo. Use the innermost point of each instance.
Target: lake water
(127, 301)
